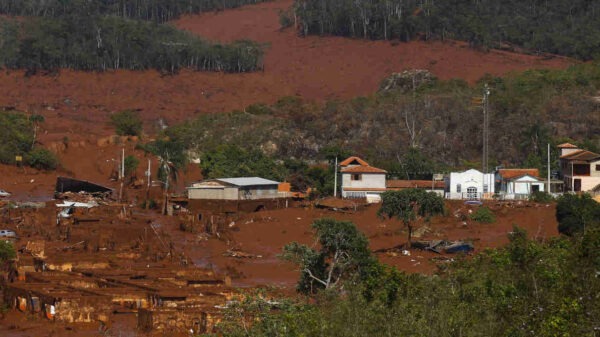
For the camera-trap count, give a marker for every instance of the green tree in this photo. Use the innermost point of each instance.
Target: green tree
(577, 213)
(410, 204)
(234, 161)
(7, 251)
(35, 120)
(131, 164)
(42, 159)
(127, 123)
(414, 165)
(483, 215)
(16, 136)
(344, 254)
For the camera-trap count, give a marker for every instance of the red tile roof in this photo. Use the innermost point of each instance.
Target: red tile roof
(363, 169)
(581, 155)
(516, 173)
(401, 184)
(349, 161)
(567, 146)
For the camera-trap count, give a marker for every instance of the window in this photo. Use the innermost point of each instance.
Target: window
(458, 189)
(535, 188)
(356, 177)
(597, 167)
(485, 188)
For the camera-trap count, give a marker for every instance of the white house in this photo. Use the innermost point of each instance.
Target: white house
(360, 180)
(470, 184)
(518, 183)
(580, 169)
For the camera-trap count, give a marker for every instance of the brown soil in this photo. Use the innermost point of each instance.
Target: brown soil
(264, 234)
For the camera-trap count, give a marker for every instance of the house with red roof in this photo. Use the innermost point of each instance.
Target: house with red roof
(580, 169)
(361, 180)
(518, 183)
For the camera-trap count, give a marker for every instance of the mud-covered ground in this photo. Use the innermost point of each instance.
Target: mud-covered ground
(76, 106)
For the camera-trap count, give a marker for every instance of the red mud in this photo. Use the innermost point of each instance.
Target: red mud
(265, 233)
(316, 68)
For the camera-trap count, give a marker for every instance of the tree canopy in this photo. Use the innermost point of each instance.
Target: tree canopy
(150, 10)
(550, 106)
(108, 42)
(525, 289)
(18, 139)
(127, 123)
(344, 253)
(577, 213)
(409, 204)
(553, 26)
(227, 161)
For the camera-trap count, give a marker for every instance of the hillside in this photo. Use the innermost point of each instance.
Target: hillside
(77, 104)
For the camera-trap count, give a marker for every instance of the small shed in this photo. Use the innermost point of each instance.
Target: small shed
(247, 188)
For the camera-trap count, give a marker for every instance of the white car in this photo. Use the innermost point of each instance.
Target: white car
(4, 194)
(7, 233)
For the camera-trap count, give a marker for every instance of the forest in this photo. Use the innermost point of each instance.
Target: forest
(413, 132)
(151, 10)
(570, 28)
(87, 36)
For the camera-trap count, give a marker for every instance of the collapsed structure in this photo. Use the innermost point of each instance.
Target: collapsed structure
(164, 299)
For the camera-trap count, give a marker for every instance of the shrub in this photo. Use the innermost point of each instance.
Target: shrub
(7, 251)
(131, 165)
(483, 215)
(286, 18)
(127, 123)
(538, 196)
(42, 159)
(577, 213)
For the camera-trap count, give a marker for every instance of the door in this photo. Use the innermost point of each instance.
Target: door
(472, 193)
(577, 185)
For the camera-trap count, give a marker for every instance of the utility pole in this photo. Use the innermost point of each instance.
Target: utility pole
(335, 178)
(486, 96)
(149, 176)
(122, 174)
(548, 187)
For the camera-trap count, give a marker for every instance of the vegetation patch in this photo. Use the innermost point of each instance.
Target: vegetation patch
(127, 123)
(483, 215)
(18, 138)
(551, 26)
(528, 288)
(108, 42)
(577, 213)
(414, 131)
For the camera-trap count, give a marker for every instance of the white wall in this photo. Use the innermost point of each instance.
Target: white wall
(368, 180)
(593, 171)
(470, 178)
(524, 185)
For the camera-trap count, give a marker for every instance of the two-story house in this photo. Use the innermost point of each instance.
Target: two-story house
(361, 180)
(580, 169)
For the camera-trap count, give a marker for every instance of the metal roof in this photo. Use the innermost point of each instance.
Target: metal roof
(248, 181)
